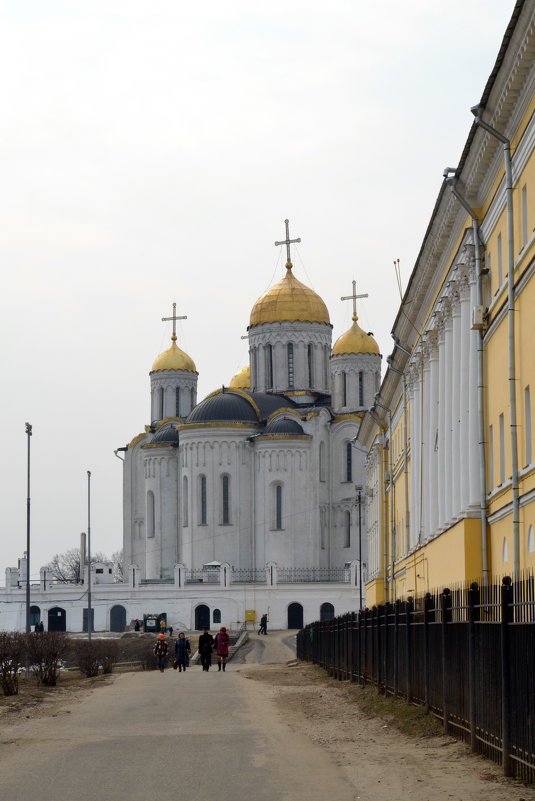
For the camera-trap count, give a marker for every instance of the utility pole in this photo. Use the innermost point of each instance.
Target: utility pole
(28, 625)
(89, 609)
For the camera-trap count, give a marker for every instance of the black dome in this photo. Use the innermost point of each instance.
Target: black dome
(227, 406)
(166, 435)
(269, 402)
(283, 426)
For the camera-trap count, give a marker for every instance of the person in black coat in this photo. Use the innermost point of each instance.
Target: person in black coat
(182, 652)
(206, 643)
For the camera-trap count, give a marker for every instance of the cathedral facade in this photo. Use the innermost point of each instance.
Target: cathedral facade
(262, 472)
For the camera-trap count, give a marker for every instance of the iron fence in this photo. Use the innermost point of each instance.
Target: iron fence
(466, 654)
(305, 575)
(248, 575)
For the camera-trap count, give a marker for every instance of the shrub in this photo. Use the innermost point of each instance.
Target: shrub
(13, 651)
(44, 652)
(108, 655)
(149, 660)
(87, 657)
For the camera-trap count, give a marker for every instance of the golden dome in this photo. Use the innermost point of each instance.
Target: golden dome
(241, 379)
(289, 300)
(355, 341)
(173, 359)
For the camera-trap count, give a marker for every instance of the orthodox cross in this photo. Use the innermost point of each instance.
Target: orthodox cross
(354, 297)
(174, 318)
(287, 242)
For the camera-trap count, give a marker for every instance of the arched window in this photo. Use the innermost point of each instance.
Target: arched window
(290, 352)
(254, 376)
(268, 360)
(277, 510)
(225, 500)
(322, 461)
(349, 462)
(344, 389)
(361, 388)
(323, 515)
(177, 402)
(327, 354)
(216, 615)
(162, 397)
(185, 501)
(192, 399)
(505, 551)
(310, 355)
(531, 540)
(347, 529)
(151, 528)
(202, 500)
(326, 611)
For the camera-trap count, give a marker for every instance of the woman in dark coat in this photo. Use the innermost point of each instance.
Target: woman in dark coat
(182, 652)
(222, 641)
(206, 643)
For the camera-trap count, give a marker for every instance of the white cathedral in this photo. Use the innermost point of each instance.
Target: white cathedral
(264, 471)
(247, 500)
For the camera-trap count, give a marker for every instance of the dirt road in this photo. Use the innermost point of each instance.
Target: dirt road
(263, 729)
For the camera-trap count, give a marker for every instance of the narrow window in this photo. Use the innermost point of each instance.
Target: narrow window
(322, 529)
(327, 354)
(185, 501)
(177, 402)
(361, 388)
(344, 389)
(527, 413)
(150, 514)
(347, 529)
(253, 370)
(502, 450)
(524, 216)
(349, 466)
(192, 400)
(290, 350)
(216, 616)
(202, 492)
(500, 260)
(322, 461)
(162, 396)
(225, 487)
(310, 365)
(278, 506)
(268, 356)
(491, 458)
(505, 550)
(531, 540)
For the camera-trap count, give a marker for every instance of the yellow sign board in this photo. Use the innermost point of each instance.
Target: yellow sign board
(250, 615)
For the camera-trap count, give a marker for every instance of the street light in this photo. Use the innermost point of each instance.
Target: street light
(89, 610)
(28, 626)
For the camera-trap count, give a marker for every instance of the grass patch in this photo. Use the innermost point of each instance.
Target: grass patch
(407, 718)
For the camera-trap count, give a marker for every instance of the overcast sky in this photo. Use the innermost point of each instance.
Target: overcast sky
(149, 153)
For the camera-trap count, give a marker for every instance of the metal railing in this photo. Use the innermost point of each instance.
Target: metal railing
(305, 575)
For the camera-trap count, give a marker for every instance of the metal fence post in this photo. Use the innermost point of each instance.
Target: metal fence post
(365, 648)
(473, 615)
(380, 610)
(359, 647)
(386, 651)
(446, 617)
(409, 606)
(428, 600)
(506, 600)
(396, 646)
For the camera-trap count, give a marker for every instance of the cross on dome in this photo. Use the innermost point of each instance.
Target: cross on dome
(354, 297)
(287, 242)
(174, 318)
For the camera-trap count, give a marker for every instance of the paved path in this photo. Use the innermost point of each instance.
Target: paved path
(157, 737)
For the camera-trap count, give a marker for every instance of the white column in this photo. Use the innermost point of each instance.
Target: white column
(424, 446)
(473, 422)
(448, 355)
(415, 457)
(456, 406)
(441, 424)
(465, 394)
(433, 426)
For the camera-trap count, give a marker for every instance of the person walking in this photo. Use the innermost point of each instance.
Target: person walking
(182, 652)
(263, 624)
(160, 652)
(206, 643)
(163, 625)
(222, 641)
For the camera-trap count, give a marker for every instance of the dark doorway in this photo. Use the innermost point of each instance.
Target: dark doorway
(92, 619)
(326, 611)
(117, 618)
(35, 615)
(57, 619)
(295, 616)
(202, 617)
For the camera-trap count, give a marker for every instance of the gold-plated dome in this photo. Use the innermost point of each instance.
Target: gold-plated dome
(241, 379)
(173, 359)
(289, 300)
(355, 341)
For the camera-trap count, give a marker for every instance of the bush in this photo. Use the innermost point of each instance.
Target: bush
(108, 655)
(149, 660)
(44, 652)
(13, 651)
(91, 655)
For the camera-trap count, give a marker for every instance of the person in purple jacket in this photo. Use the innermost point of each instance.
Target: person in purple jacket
(222, 641)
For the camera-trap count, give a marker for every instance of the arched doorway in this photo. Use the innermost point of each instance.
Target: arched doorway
(35, 615)
(117, 618)
(57, 619)
(326, 611)
(202, 617)
(295, 616)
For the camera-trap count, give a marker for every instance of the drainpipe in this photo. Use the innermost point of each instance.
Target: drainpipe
(506, 146)
(405, 458)
(480, 388)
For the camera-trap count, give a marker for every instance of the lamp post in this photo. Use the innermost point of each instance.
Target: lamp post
(89, 609)
(28, 626)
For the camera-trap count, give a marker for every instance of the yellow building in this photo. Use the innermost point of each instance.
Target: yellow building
(450, 467)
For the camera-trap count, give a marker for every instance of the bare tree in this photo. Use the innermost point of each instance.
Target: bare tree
(118, 566)
(66, 566)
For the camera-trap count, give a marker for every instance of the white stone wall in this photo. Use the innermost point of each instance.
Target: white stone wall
(169, 381)
(349, 366)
